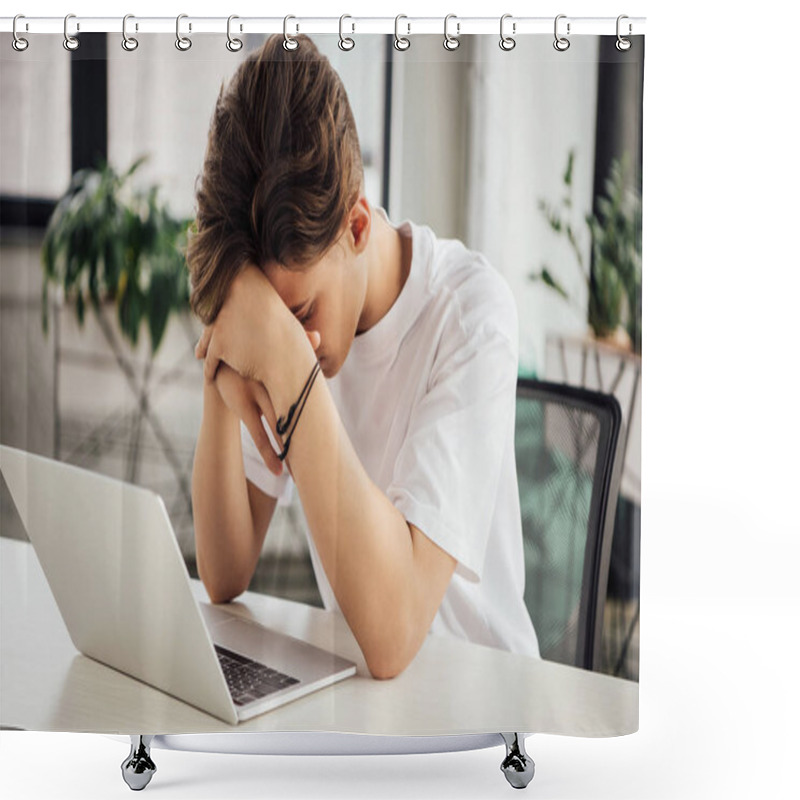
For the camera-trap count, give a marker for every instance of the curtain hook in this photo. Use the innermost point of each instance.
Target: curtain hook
(234, 45)
(183, 43)
(18, 43)
(346, 43)
(401, 42)
(451, 42)
(289, 42)
(561, 43)
(622, 43)
(128, 42)
(507, 42)
(71, 43)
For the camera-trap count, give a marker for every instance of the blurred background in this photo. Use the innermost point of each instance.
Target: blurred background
(532, 157)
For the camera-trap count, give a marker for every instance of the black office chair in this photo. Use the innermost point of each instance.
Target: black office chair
(569, 465)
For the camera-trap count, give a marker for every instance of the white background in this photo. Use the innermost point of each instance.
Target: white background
(720, 533)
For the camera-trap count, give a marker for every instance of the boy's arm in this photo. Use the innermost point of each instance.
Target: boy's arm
(388, 578)
(231, 516)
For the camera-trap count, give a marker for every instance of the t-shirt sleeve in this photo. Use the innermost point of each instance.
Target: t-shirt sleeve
(257, 472)
(447, 473)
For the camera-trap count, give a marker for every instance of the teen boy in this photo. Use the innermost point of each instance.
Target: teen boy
(401, 441)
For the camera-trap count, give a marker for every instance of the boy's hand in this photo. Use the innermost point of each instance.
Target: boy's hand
(248, 399)
(252, 325)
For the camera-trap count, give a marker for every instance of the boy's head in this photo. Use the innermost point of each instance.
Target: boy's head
(281, 188)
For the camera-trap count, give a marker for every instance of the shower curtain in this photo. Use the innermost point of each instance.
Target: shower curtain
(495, 245)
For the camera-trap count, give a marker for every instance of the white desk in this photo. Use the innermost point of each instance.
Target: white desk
(452, 687)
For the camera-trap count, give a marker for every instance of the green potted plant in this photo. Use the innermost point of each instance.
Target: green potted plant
(615, 280)
(107, 242)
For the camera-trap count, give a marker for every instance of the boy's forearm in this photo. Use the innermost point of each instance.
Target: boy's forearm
(222, 517)
(363, 541)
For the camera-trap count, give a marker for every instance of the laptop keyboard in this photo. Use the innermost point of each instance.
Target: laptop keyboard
(247, 679)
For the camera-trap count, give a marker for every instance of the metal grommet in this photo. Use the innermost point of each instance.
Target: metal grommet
(183, 43)
(18, 43)
(400, 42)
(234, 45)
(623, 44)
(507, 42)
(561, 43)
(70, 42)
(451, 42)
(128, 42)
(345, 42)
(289, 42)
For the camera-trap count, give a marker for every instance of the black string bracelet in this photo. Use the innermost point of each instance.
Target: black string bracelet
(282, 424)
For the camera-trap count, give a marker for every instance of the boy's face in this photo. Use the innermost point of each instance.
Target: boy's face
(327, 297)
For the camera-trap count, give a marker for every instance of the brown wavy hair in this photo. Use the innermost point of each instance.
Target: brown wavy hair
(282, 170)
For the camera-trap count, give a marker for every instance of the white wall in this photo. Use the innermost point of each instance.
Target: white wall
(531, 106)
(479, 136)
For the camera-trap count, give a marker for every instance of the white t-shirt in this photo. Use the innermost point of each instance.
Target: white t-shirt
(427, 397)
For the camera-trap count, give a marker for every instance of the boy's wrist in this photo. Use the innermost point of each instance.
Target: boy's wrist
(287, 366)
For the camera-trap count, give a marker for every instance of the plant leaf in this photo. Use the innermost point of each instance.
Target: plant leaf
(568, 171)
(45, 309)
(107, 240)
(131, 308)
(80, 307)
(160, 300)
(549, 280)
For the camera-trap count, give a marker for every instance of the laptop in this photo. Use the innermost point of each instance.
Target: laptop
(112, 561)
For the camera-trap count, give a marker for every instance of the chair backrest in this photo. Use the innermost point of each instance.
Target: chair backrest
(569, 462)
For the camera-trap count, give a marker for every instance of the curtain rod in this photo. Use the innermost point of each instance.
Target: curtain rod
(351, 25)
